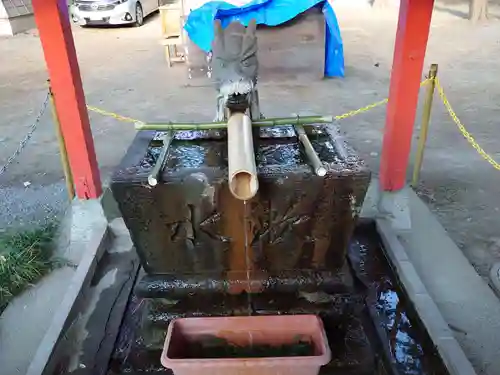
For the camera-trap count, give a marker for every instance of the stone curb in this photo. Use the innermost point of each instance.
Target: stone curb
(94, 249)
(439, 332)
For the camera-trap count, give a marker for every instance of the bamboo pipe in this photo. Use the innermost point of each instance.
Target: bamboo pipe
(281, 121)
(243, 182)
(313, 157)
(162, 159)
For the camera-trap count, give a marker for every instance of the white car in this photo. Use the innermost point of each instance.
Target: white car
(111, 12)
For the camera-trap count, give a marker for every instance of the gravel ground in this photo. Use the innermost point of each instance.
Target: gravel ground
(123, 70)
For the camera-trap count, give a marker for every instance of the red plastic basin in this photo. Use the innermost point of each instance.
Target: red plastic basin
(245, 331)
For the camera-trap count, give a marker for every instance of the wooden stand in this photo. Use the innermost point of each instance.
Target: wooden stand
(172, 24)
(172, 53)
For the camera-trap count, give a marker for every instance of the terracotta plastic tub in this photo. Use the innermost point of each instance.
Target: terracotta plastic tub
(245, 331)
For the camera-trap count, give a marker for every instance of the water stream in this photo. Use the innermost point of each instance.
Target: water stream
(248, 264)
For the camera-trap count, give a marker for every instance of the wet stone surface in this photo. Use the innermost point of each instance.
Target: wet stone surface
(181, 285)
(277, 146)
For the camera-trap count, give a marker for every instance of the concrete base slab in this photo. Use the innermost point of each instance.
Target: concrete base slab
(467, 303)
(394, 207)
(37, 306)
(77, 228)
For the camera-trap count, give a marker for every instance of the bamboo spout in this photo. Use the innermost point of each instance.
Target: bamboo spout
(243, 182)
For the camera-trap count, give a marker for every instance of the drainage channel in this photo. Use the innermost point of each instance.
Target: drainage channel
(373, 330)
(405, 347)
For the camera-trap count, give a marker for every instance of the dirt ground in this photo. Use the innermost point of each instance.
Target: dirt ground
(124, 71)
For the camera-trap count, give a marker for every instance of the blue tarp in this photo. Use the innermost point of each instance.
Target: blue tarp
(200, 29)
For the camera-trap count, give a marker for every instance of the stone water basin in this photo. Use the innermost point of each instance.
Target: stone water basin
(190, 224)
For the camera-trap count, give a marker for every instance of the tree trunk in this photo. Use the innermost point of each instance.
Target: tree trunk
(478, 10)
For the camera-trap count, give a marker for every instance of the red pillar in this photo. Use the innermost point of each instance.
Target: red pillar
(409, 52)
(59, 49)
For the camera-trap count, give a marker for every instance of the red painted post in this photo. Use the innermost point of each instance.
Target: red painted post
(54, 28)
(409, 52)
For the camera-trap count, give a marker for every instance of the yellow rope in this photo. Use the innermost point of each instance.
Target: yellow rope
(114, 115)
(462, 128)
(445, 100)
